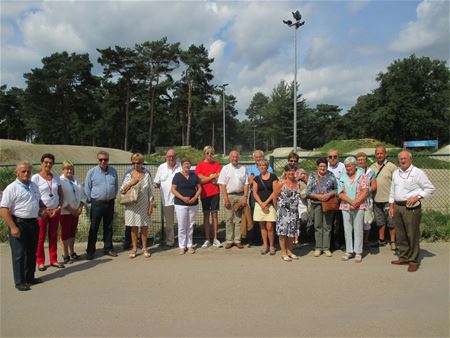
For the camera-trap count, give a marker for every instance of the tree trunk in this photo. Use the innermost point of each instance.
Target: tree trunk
(212, 135)
(189, 114)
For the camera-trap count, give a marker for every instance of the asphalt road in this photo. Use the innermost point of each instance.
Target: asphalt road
(231, 293)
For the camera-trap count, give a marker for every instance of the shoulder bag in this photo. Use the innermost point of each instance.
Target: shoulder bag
(332, 204)
(131, 196)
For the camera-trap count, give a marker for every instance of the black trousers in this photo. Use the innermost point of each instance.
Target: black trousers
(337, 231)
(23, 250)
(101, 211)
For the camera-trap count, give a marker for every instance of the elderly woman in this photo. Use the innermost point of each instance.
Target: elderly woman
(52, 196)
(361, 158)
(286, 198)
(353, 191)
(264, 213)
(137, 214)
(186, 188)
(74, 200)
(321, 187)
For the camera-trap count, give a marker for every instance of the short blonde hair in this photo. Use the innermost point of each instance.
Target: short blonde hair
(67, 164)
(361, 154)
(137, 157)
(208, 149)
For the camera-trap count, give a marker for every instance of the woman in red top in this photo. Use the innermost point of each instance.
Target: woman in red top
(208, 171)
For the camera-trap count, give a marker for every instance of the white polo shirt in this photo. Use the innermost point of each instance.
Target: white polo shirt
(73, 194)
(164, 177)
(22, 200)
(48, 190)
(233, 177)
(337, 170)
(411, 182)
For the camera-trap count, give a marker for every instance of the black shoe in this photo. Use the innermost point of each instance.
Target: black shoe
(74, 256)
(66, 259)
(42, 267)
(58, 265)
(35, 281)
(382, 242)
(22, 287)
(89, 256)
(111, 253)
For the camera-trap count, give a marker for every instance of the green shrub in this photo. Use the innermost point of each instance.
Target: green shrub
(435, 226)
(7, 175)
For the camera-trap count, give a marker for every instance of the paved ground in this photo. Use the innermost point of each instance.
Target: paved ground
(232, 293)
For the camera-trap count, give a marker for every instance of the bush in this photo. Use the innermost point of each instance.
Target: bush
(435, 226)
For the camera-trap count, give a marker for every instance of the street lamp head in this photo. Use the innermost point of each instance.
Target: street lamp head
(288, 22)
(297, 16)
(298, 24)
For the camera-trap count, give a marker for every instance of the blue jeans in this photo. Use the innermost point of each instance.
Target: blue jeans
(353, 223)
(23, 250)
(101, 210)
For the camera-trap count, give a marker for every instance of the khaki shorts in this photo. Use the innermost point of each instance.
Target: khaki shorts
(260, 216)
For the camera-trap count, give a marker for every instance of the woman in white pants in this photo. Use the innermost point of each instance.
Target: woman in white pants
(186, 188)
(353, 190)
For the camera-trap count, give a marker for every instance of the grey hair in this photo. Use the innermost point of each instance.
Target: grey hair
(102, 152)
(350, 160)
(21, 163)
(405, 151)
(263, 162)
(257, 151)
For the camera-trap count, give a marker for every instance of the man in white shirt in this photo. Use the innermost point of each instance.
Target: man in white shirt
(409, 186)
(234, 188)
(163, 181)
(337, 232)
(19, 207)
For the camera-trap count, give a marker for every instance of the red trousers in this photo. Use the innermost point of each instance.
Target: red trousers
(68, 226)
(52, 225)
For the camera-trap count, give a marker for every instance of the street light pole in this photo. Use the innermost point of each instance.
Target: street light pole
(297, 16)
(223, 108)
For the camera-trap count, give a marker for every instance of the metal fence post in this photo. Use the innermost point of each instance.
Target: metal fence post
(161, 236)
(272, 162)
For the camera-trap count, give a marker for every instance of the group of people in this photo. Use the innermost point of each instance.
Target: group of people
(341, 200)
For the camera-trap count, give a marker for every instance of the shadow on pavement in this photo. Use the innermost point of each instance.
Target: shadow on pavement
(71, 268)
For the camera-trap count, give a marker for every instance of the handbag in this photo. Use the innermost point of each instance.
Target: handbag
(331, 205)
(131, 196)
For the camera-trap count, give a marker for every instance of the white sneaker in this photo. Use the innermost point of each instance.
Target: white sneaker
(217, 243)
(207, 244)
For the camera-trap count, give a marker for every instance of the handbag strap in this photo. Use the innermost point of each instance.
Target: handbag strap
(262, 182)
(379, 171)
(318, 184)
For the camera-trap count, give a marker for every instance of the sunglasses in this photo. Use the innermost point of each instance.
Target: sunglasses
(293, 161)
(334, 156)
(209, 153)
(103, 159)
(137, 162)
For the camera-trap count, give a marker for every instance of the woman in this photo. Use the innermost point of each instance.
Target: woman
(52, 196)
(73, 203)
(302, 179)
(361, 158)
(264, 213)
(208, 172)
(186, 188)
(137, 214)
(321, 187)
(286, 197)
(353, 191)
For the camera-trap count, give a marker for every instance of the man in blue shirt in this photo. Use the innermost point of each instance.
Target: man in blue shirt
(101, 188)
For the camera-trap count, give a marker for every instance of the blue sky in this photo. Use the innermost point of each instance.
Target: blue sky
(342, 46)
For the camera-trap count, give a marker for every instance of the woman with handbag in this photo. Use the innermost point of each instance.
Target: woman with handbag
(264, 213)
(137, 196)
(322, 190)
(353, 191)
(186, 188)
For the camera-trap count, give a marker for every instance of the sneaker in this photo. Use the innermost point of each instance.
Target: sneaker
(217, 244)
(328, 253)
(207, 244)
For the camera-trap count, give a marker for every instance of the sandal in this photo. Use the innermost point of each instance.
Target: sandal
(57, 265)
(66, 259)
(286, 258)
(358, 259)
(293, 256)
(74, 256)
(272, 251)
(346, 256)
(182, 251)
(132, 254)
(42, 267)
(264, 251)
(146, 253)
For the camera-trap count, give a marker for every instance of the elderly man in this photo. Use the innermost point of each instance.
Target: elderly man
(19, 207)
(383, 169)
(252, 172)
(101, 188)
(234, 187)
(163, 181)
(409, 186)
(338, 169)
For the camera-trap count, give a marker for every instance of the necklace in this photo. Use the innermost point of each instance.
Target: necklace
(50, 185)
(401, 175)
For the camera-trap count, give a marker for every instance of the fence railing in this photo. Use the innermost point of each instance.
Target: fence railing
(436, 167)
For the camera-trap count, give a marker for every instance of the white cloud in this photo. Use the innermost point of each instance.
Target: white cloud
(429, 31)
(15, 62)
(16, 8)
(216, 49)
(356, 6)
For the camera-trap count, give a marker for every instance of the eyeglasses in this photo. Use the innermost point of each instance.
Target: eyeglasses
(209, 153)
(332, 156)
(103, 159)
(137, 162)
(293, 161)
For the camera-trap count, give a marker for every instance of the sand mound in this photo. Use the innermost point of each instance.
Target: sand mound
(12, 151)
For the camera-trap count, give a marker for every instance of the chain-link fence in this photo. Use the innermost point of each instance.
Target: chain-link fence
(437, 167)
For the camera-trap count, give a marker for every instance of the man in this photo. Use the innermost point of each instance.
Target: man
(101, 188)
(409, 186)
(208, 171)
(337, 232)
(234, 187)
(163, 181)
(20, 206)
(252, 172)
(383, 170)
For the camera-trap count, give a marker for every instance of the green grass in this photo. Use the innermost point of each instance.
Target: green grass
(345, 146)
(435, 226)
